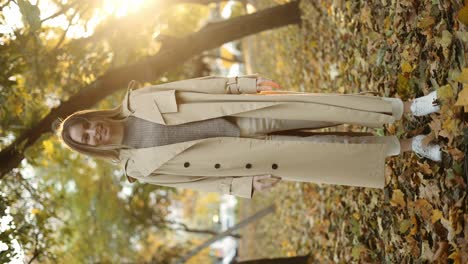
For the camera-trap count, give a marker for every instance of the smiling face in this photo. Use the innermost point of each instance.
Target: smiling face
(91, 132)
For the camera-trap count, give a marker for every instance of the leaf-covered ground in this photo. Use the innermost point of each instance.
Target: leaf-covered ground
(400, 48)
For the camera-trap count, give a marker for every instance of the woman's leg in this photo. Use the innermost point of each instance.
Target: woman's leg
(418, 107)
(397, 106)
(392, 142)
(260, 127)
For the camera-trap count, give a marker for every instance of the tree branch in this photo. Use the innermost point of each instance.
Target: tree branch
(62, 10)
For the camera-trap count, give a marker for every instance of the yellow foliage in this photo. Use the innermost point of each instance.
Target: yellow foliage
(48, 147)
(406, 67)
(455, 256)
(463, 76)
(205, 202)
(463, 15)
(313, 44)
(398, 198)
(463, 97)
(226, 54)
(202, 257)
(450, 125)
(403, 87)
(445, 93)
(18, 109)
(414, 229)
(426, 22)
(357, 216)
(436, 215)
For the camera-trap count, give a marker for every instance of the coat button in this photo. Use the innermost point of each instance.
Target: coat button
(186, 164)
(248, 165)
(217, 165)
(274, 166)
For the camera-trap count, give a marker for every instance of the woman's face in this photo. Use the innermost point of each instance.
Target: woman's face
(91, 132)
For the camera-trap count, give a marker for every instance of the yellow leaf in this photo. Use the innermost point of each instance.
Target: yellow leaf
(18, 109)
(398, 198)
(48, 147)
(455, 256)
(356, 215)
(424, 208)
(445, 93)
(313, 44)
(463, 76)
(403, 87)
(414, 229)
(35, 211)
(426, 22)
(436, 215)
(463, 96)
(446, 39)
(463, 15)
(449, 125)
(406, 67)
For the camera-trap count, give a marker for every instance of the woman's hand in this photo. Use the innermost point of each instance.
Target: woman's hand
(264, 182)
(264, 84)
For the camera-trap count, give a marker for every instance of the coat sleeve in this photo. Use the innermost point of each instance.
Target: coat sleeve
(243, 84)
(240, 186)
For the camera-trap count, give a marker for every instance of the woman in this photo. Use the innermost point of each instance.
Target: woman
(227, 135)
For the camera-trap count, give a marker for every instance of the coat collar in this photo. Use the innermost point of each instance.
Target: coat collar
(149, 105)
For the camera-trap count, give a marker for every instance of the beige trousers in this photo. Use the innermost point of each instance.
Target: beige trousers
(260, 127)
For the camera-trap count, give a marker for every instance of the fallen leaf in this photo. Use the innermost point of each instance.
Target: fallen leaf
(455, 256)
(413, 245)
(406, 67)
(436, 215)
(424, 208)
(425, 168)
(398, 198)
(463, 15)
(414, 222)
(463, 76)
(426, 252)
(430, 192)
(405, 225)
(426, 22)
(456, 153)
(441, 250)
(463, 96)
(449, 226)
(445, 93)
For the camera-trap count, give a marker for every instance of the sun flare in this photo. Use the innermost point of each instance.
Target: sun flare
(121, 8)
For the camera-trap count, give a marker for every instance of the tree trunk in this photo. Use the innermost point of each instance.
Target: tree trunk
(211, 36)
(241, 224)
(287, 260)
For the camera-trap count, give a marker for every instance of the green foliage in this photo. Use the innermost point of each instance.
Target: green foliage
(31, 15)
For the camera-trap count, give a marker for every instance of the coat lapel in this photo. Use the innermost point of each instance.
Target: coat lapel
(147, 160)
(150, 106)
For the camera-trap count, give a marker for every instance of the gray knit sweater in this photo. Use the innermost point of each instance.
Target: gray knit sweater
(139, 133)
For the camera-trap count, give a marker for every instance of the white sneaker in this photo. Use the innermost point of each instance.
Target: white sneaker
(425, 105)
(431, 151)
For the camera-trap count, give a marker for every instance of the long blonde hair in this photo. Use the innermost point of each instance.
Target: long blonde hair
(109, 152)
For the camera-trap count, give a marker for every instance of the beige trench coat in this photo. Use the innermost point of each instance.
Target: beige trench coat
(191, 164)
